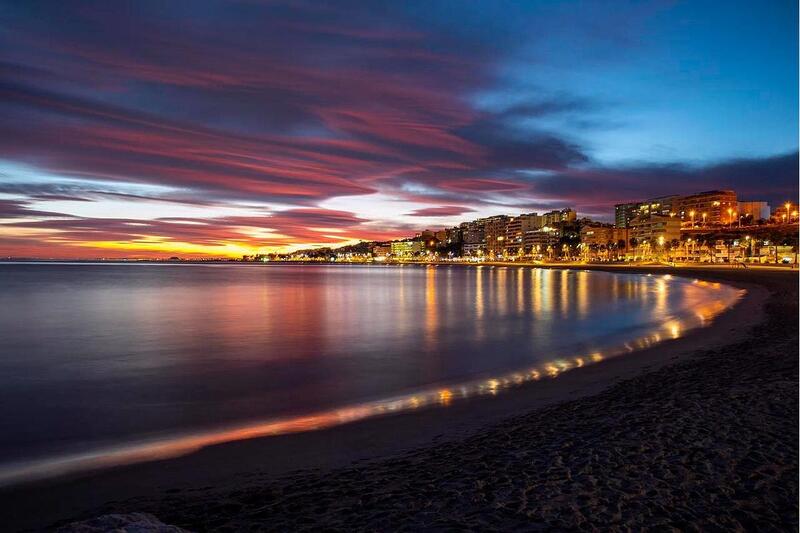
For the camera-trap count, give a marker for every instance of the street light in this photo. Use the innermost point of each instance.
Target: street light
(691, 214)
(704, 218)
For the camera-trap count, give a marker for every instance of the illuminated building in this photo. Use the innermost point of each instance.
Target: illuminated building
(541, 239)
(598, 240)
(597, 234)
(708, 208)
(495, 228)
(473, 237)
(452, 235)
(381, 250)
(663, 205)
(407, 248)
(473, 248)
(624, 213)
(655, 229)
(552, 218)
(516, 229)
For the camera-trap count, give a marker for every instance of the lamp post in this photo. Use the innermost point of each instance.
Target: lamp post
(704, 218)
(691, 214)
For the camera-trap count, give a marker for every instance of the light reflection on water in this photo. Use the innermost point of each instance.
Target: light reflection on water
(441, 334)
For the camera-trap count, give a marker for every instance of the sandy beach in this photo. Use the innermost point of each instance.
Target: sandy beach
(696, 433)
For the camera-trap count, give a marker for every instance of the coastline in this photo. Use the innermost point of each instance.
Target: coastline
(704, 302)
(267, 461)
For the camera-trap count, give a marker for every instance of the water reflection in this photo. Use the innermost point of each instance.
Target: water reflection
(431, 310)
(564, 292)
(583, 293)
(292, 345)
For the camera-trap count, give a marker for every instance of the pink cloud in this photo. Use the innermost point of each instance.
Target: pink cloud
(441, 211)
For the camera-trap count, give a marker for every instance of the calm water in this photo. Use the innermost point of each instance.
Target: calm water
(92, 356)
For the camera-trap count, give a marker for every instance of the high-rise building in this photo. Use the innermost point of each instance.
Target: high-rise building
(516, 229)
(531, 221)
(624, 213)
(704, 208)
(552, 218)
(537, 241)
(496, 228)
(473, 237)
(514, 236)
(655, 229)
(452, 235)
(662, 205)
(708, 208)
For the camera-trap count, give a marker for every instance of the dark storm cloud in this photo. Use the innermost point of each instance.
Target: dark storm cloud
(774, 179)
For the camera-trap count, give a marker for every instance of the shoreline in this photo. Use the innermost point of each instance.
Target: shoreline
(680, 323)
(373, 440)
(611, 265)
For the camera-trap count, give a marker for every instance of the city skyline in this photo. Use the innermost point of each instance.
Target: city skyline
(150, 130)
(713, 218)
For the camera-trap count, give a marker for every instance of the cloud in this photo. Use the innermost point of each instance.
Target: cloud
(441, 211)
(284, 107)
(773, 179)
(11, 209)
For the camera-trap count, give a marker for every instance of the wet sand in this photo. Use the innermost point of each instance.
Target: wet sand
(697, 432)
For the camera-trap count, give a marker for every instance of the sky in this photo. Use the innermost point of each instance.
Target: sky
(194, 128)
